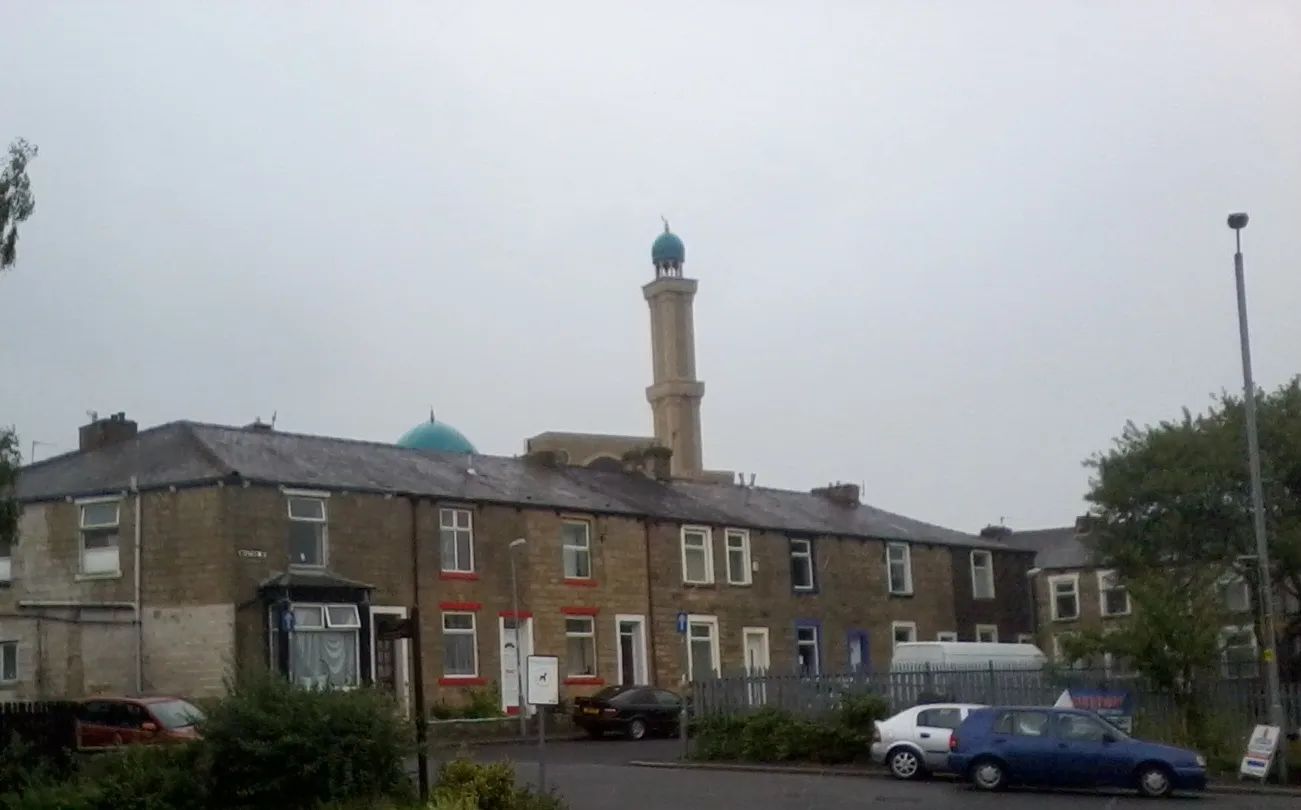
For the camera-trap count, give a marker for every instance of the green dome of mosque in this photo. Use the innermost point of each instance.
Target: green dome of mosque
(437, 436)
(668, 248)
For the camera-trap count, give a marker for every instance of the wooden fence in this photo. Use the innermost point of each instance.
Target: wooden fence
(1241, 701)
(45, 732)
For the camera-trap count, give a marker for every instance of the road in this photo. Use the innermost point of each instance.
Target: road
(596, 776)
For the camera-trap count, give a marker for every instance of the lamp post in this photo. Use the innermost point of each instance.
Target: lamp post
(519, 638)
(1237, 222)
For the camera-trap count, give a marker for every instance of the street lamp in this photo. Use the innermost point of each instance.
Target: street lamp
(519, 638)
(1237, 222)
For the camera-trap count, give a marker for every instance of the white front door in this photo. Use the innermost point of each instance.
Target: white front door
(630, 655)
(755, 642)
(512, 659)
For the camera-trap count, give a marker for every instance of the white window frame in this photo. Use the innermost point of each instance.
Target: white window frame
(1074, 580)
(9, 650)
(946, 635)
(805, 554)
(1239, 674)
(583, 549)
(455, 514)
(991, 629)
(1106, 584)
(87, 572)
(328, 623)
(895, 627)
(473, 633)
(988, 567)
(292, 495)
(712, 623)
(816, 643)
(907, 588)
(708, 549)
(741, 577)
(589, 635)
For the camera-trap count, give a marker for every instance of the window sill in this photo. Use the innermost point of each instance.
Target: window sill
(584, 680)
(982, 598)
(580, 611)
(455, 575)
(740, 584)
(462, 680)
(902, 594)
(1065, 619)
(577, 582)
(804, 591)
(95, 577)
(1104, 615)
(688, 584)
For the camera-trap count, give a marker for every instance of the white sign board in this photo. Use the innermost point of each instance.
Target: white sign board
(1261, 749)
(542, 680)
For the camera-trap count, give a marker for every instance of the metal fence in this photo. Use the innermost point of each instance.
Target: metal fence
(1241, 701)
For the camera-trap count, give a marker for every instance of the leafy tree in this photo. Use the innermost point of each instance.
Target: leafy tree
(16, 199)
(9, 461)
(1172, 513)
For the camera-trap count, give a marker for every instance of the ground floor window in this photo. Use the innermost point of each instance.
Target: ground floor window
(8, 661)
(324, 646)
(702, 647)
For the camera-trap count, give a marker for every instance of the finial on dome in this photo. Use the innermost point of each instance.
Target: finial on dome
(665, 220)
(431, 415)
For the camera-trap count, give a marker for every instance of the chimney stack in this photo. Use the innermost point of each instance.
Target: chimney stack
(1084, 524)
(992, 532)
(840, 494)
(654, 461)
(102, 433)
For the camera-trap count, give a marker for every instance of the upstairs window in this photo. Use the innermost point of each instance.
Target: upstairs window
(6, 561)
(576, 540)
(99, 538)
(802, 564)
(1113, 598)
(899, 568)
(456, 536)
(1064, 592)
(738, 557)
(982, 575)
(307, 531)
(697, 556)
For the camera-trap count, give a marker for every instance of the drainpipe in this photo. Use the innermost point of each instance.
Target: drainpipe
(649, 628)
(139, 625)
(417, 657)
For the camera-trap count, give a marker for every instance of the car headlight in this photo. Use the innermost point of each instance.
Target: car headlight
(1201, 761)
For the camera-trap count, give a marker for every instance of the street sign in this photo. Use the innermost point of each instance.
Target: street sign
(543, 684)
(682, 622)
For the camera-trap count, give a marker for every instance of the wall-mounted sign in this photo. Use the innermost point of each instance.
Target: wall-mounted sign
(252, 554)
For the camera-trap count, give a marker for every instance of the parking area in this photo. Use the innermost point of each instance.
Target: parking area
(596, 776)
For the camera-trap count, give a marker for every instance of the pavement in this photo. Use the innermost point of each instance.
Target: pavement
(598, 775)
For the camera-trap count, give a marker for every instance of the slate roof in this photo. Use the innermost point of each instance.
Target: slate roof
(191, 453)
(1055, 548)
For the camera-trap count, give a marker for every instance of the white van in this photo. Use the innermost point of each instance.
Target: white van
(914, 656)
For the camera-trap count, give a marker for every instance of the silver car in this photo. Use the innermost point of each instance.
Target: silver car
(915, 742)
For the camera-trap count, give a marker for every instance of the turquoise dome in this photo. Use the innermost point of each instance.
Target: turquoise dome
(668, 248)
(438, 436)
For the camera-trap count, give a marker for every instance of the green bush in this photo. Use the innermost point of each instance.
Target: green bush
(861, 712)
(463, 782)
(70, 795)
(271, 744)
(773, 735)
(146, 777)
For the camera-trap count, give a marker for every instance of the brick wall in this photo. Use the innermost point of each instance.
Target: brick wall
(1012, 610)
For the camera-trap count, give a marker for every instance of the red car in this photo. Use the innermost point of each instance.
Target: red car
(105, 722)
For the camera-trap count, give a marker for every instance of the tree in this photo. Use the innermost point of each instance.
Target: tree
(16, 200)
(1172, 513)
(9, 461)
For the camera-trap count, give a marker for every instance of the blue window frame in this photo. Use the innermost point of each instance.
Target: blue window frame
(860, 651)
(808, 646)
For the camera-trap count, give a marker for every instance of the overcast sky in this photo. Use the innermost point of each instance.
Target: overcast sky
(945, 249)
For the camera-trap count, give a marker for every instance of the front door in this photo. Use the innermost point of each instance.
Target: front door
(755, 642)
(516, 647)
(388, 656)
(632, 649)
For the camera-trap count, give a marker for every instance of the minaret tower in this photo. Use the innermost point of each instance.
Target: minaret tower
(675, 393)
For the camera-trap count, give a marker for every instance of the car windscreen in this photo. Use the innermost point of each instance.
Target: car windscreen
(176, 713)
(610, 692)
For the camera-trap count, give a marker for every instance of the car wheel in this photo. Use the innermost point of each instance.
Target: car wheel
(987, 774)
(637, 729)
(1154, 782)
(905, 764)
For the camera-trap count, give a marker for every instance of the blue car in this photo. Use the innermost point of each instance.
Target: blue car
(997, 747)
